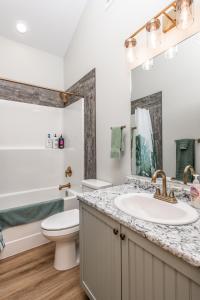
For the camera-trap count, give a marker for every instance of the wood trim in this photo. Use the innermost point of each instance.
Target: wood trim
(86, 86)
(31, 85)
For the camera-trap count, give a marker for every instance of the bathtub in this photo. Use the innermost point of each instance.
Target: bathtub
(24, 237)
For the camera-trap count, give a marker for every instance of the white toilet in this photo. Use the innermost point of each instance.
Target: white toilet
(63, 228)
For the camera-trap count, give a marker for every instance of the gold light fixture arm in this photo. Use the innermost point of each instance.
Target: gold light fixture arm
(162, 12)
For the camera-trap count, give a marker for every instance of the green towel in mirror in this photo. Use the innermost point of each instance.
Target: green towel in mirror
(117, 142)
(185, 155)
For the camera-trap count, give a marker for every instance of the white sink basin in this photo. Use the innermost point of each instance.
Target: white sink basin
(144, 206)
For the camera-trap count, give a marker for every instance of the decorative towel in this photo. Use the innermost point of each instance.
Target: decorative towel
(185, 155)
(133, 147)
(146, 159)
(2, 244)
(117, 142)
(28, 214)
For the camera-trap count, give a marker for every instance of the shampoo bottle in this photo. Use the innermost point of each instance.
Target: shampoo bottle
(55, 142)
(49, 143)
(61, 142)
(195, 192)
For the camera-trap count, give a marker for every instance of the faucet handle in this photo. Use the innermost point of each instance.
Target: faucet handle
(158, 192)
(172, 196)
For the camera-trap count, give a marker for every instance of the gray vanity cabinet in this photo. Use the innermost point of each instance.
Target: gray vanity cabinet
(100, 255)
(129, 267)
(150, 273)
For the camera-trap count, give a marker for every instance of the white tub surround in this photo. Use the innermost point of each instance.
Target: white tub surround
(23, 143)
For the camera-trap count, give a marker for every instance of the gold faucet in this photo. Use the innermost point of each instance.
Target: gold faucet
(163, 195)
(185, 173)
(61, 187)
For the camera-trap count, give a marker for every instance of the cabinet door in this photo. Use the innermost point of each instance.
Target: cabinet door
(151, 273)
(100, 255)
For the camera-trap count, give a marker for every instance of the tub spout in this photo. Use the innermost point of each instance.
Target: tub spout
(64, 186)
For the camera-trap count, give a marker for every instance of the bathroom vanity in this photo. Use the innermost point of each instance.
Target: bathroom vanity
(123, 257)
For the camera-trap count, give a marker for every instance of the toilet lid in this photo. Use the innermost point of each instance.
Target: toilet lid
(63, 220)
(96, 184)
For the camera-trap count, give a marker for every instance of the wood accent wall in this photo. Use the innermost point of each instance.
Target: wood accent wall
(25, 93)
(154, 104)
(86, 87)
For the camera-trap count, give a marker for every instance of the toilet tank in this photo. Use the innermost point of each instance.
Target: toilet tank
(90, 185)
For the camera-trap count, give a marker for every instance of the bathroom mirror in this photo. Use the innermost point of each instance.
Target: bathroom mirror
(165, 112)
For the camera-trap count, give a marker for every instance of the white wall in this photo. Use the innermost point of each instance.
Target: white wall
(23, 63)
(180, 97)
(73, 128)
(98, 43)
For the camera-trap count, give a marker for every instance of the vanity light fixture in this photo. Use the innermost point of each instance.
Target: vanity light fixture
(148, 64)
(21, 27)
(184, 13)
(179, 13)
(130, 46)
(153, 29)
(171, 52)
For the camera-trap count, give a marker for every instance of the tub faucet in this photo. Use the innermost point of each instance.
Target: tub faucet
(64, 186)
(186, 171)
(163, 195)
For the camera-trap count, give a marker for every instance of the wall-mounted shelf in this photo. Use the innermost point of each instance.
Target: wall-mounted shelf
(28, 148)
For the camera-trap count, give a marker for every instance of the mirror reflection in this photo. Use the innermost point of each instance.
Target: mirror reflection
(165, 112)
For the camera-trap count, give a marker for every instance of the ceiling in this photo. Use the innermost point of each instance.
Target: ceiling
(51, 23)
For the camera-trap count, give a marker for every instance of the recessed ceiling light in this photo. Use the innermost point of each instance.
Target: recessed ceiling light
(21, 27)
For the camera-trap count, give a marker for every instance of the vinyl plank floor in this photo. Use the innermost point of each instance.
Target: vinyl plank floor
(31, 276)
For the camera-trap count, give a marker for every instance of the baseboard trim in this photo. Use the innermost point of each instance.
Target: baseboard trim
(23, 244)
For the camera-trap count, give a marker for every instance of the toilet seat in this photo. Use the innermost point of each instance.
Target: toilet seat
(62, 232)
(62, 223)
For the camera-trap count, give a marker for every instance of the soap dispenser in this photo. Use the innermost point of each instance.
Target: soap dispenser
(195, 192)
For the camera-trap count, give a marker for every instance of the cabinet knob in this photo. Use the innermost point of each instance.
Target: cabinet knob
(122, 236)
(115, 231)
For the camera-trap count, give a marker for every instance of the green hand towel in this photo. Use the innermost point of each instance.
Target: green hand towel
(185, 155)
(117, 143)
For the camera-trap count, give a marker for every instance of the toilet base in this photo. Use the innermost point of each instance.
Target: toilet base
(66, 255)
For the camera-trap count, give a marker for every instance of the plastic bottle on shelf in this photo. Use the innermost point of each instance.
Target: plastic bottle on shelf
(61, 142)
(49, 142)
(55, 142)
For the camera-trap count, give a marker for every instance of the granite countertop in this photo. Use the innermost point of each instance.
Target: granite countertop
(182, 241)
